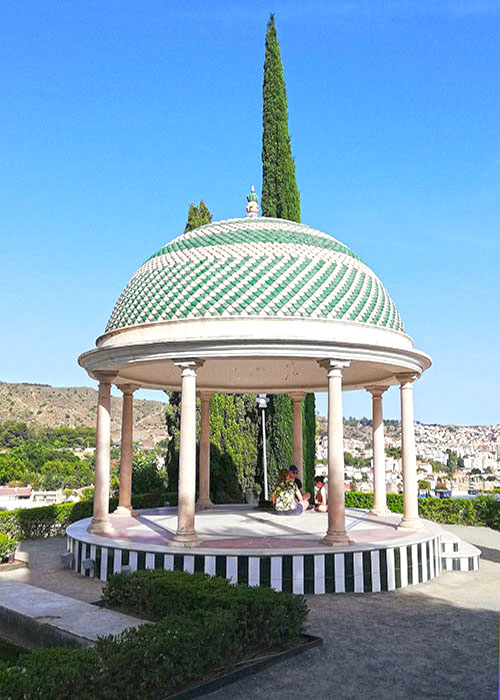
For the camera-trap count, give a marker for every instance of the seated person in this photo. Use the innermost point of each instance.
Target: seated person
(287, 498)
(298, 483)
(320, 494)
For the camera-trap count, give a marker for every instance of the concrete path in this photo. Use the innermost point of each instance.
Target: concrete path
(43, 558)
(434, 640)
(33, 617)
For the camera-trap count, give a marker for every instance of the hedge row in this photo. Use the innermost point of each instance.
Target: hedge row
(266, 617)
(148, 663)
(157, 659)
(49, 521)
(482, 510)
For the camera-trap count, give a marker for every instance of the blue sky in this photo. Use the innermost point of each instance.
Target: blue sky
(114, 116)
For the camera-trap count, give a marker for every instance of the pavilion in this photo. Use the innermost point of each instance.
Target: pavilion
(258, 305)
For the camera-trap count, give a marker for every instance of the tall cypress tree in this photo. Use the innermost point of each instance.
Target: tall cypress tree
(280, 199)
(280, 196)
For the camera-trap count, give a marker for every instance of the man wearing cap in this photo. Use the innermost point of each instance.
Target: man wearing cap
(287, 497)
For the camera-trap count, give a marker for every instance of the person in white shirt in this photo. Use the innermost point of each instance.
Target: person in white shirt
(320, 494)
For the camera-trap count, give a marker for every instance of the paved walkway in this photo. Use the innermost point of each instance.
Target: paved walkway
(35, 618)
(434, 640)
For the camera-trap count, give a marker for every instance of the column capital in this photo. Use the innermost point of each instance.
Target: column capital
(104, 377)
(333, 365)
(188, 366)
(128, 389)
(406, 377)
(376, 390)
(297, 395)
(205, 395)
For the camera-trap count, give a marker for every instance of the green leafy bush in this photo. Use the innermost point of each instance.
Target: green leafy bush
(7, 546)
(55, 673)
(49, 521)
(483, 510)
(212, 626)
(265, 615)
(147, 662)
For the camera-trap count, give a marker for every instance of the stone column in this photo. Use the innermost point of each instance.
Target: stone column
(126, 452)
(204, 501)
(408, 453)
(186, 534)
(336, 533)
(100, 523)
(378, 446)
(297, 432)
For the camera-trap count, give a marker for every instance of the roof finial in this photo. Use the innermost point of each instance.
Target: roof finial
(253, 204)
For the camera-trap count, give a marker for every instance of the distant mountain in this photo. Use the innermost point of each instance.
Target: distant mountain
(49, 406)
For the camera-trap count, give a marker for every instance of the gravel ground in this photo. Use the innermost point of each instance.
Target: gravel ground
(435, 640)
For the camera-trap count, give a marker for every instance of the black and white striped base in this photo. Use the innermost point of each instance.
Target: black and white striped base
(372, 570)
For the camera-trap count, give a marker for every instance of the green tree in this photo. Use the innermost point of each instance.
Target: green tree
(280, 196)
(309, 440)
(279, 425)
(280, 199)
(197, 216)
(147, 476)
(206, 216)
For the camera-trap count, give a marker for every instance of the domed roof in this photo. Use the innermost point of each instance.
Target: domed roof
(254, 267)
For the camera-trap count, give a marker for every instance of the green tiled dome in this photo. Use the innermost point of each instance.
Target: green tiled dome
(254, 267)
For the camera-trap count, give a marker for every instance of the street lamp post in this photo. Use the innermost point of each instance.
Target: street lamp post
(262, 401)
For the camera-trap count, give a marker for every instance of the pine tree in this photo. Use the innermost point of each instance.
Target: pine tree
(280, 196)
(280, 199)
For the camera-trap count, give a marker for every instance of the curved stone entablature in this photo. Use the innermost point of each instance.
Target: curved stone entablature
(255, 267)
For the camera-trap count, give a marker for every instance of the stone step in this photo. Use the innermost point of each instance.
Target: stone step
(465, 559)
(450, 543)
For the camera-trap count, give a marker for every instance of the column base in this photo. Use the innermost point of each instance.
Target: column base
(411, 524)
(100, 526)
(204, 504)
(380, 512)
(124, 511)
(334, 538)
(185, 539)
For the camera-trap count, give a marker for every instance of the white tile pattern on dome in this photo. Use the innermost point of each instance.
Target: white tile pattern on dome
(254, 267)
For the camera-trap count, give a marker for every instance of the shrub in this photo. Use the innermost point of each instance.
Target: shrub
(145, 662)
(265, 615)
(199, 637)
(49, 521)
(358, 499)
(170, 653)
(483, 510)
(7, 546)
(51, 673)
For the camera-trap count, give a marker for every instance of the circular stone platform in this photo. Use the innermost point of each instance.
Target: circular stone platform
(284, 553)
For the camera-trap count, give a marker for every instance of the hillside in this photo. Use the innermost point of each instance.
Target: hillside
(48, 406)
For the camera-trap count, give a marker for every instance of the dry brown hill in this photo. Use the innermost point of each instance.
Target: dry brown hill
(50, 406)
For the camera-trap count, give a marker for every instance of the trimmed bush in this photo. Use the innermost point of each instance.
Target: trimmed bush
(57, 674)
(482, 510)
(147, 662)
(266, 616)
(49, 521)
(213, 625)
(7, 546)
